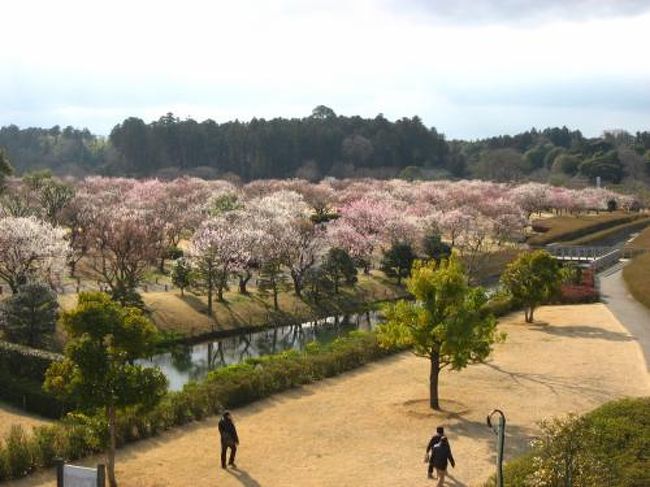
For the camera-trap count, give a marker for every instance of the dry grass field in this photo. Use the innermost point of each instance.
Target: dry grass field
(370, 427)
(637, 278)
(10, 416)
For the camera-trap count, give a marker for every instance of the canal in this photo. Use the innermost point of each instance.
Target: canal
(185, 363)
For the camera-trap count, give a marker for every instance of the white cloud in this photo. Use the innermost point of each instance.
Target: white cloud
(93, 64)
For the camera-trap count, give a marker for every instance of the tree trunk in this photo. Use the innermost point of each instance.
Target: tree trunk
(528, 314)
(110, 411)
(243, 281)
(297, 285)
(433, 381)
(210, 296)
(275, 298)
(161, 265)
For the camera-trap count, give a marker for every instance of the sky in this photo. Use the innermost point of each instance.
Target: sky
(471, 68)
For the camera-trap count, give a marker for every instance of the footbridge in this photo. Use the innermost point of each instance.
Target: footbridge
(596, 258)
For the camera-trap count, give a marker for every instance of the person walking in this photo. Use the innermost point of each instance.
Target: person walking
(428, 456)
(229, 439)
(440, 455)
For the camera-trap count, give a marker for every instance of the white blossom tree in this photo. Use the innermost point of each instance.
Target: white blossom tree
(31, 249)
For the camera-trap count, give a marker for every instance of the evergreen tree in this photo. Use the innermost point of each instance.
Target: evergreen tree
(397, 261)
(339, 266)
(29, 316)
(99, 370)
(271, 279)
(434, 248)
(182, 274)
(5, 168)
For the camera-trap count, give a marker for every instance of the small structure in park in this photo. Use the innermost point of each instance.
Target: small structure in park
(75, 476)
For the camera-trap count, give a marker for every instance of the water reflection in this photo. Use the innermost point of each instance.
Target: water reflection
(193, 362)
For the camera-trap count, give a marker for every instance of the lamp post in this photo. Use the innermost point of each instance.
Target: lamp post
(499, 430)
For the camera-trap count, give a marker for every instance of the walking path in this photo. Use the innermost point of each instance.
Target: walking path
(629, 312)
(370, 427)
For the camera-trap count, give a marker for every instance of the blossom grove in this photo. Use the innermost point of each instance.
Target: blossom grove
(123, 227)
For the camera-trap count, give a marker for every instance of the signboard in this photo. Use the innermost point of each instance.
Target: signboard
(79, 476)
(74, 476)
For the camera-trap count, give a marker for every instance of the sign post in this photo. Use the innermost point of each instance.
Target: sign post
(74, 476)
(499, 430)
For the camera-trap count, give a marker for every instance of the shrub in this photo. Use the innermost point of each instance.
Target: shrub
(576, 294)
(540, 227)
(500, 305)
(607, 446)
(18, 453)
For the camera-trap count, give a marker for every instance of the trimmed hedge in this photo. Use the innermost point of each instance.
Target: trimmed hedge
(26, 362)
(236, 385)
(22, 371)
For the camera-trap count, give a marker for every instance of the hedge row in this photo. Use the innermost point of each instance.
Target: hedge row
(22, 371)
(232, 386)
(26, 362)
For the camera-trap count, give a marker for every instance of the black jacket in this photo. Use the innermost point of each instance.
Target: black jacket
(435, 439)
(228, 431)
(440, 455)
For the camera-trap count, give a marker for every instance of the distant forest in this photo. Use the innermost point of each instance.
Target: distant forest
(325, 144)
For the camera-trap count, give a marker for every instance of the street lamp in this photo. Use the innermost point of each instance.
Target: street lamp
(499, 430)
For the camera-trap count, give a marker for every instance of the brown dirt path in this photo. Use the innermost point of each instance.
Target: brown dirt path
(370, 427)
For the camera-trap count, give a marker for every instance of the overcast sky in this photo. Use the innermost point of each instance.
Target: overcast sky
(471, 68)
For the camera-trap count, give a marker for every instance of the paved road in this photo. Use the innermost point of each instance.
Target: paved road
(632, 314)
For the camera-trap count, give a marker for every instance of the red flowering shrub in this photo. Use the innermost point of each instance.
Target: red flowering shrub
(583, 291)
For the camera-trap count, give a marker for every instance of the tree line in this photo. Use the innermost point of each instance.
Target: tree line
(325, 144)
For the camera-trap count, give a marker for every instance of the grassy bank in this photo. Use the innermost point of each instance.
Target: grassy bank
(565, 228)
(637, 278)
(616, 232)
(637, 273)
(187, 316)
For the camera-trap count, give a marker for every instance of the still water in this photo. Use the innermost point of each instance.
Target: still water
(186, 363)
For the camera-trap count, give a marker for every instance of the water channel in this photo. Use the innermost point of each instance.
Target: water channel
(187, 363)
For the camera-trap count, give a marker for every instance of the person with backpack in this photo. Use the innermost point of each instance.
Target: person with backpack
(229, 439)
(428, 456)
(440, 456)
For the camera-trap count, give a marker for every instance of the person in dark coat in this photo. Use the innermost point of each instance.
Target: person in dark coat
(428, 456)
(440, 455)
(229, 439)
